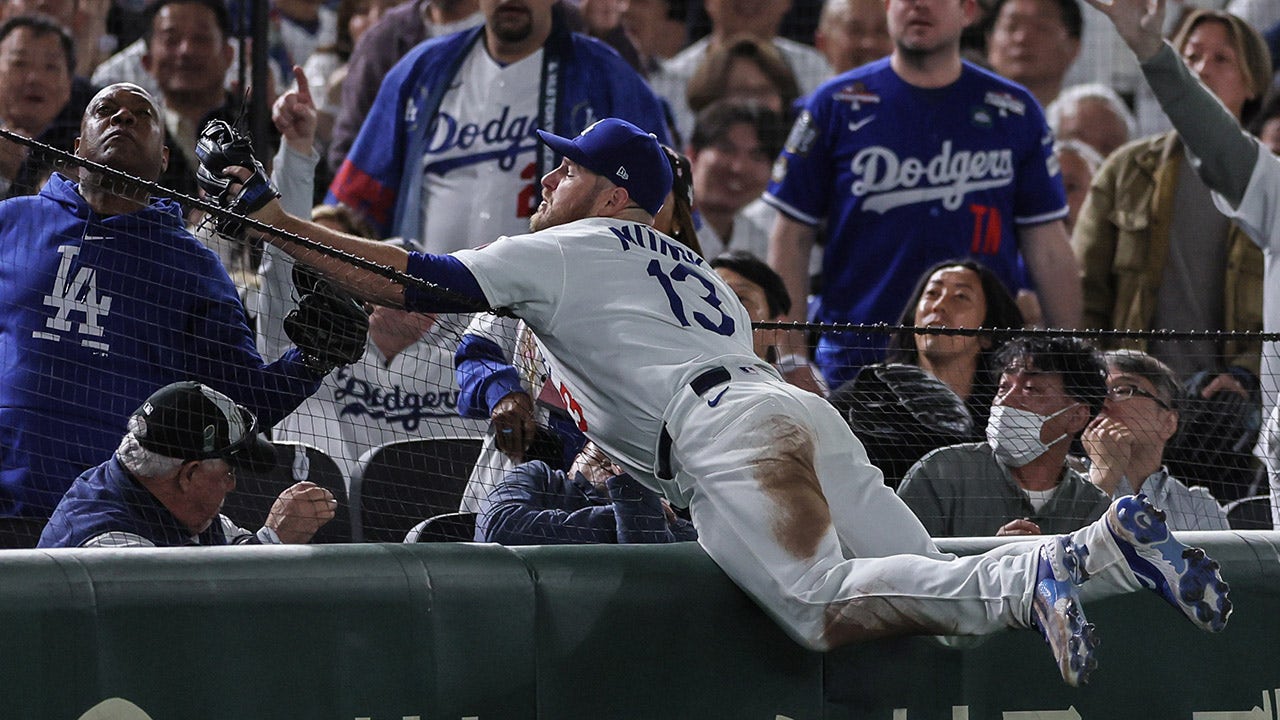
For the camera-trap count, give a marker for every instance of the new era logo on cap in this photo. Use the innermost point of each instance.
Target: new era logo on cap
(617, 150)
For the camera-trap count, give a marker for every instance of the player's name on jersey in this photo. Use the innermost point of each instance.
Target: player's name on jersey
(948, 176)
(514, 134)
(643, 236)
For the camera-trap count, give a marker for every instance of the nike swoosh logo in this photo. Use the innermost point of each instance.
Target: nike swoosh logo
(856, 126)
(716, 400)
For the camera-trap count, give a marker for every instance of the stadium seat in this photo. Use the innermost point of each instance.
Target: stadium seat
(395, 486)
(1251, 513)
(449, 527)
(249, 505)
(17, 533)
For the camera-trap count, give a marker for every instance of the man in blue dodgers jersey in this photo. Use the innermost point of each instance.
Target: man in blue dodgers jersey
(658, 367)
(448, 152)
(912, 160)
(104, 297)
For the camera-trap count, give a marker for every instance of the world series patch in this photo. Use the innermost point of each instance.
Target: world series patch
(803, 133)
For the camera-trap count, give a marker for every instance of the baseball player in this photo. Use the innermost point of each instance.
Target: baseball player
(657, 367)
(1244, 176)
(915, 159)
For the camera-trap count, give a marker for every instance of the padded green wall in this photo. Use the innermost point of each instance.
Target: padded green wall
(476, 631)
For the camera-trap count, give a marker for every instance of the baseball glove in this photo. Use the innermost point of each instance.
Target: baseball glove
(219, 147)
(329, 327)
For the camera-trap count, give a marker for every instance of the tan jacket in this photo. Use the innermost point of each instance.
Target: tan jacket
(1122, 242)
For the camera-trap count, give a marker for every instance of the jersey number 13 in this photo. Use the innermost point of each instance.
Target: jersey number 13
(683, 279)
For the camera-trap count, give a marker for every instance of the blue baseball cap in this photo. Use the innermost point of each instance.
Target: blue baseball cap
(628, 156)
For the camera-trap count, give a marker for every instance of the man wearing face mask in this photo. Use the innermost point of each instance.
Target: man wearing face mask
(1018, 482)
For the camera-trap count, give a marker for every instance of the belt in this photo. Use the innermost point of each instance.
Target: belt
(700, 384)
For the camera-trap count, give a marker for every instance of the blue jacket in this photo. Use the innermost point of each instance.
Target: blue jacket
(107, 499)
(382, 175)
(535, 505)
(97, 313)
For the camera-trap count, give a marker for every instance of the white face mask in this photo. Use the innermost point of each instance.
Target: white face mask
(1014, 434)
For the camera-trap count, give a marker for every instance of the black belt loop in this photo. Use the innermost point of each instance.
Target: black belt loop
(700, 385)
(709, 379)
(664, 454)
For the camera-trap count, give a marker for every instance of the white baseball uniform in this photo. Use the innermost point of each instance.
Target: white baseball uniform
(493, 465)
(373, 401)
(481, 161)
(1228, 158)
(1259, 215)
(652, 354)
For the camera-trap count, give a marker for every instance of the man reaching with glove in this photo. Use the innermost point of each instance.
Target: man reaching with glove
(105, 297)
(781, 492)
(328, 326)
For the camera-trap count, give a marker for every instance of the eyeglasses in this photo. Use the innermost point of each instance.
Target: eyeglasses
(1124, 392)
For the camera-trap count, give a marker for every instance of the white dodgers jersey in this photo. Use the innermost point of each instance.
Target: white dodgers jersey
(480, 166)
(624, 315)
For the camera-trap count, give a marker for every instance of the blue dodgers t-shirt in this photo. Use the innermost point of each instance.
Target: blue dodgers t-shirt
(908, 177)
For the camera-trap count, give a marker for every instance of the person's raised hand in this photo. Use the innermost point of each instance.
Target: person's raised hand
(294, 114)
(231, 176)
(1226, 382)
(271, 213)
(1109, 445)
(1139, 23)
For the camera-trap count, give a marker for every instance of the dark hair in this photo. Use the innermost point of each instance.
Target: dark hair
(1002, 311)
(754, 269)
(709, 81)
(682, 225)
(1068, 11)
(1077, 362)
(217, 7)
(41, 25)
(716, 120)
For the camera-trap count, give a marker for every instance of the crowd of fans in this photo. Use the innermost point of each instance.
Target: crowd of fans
(892, 200)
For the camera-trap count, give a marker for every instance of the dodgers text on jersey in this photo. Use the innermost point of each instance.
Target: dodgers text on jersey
(394, 405)
(503, 137)
(890, 182)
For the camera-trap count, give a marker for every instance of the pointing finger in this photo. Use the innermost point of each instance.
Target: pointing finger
(304, 90)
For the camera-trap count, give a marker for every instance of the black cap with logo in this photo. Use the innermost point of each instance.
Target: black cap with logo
(190, 421)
